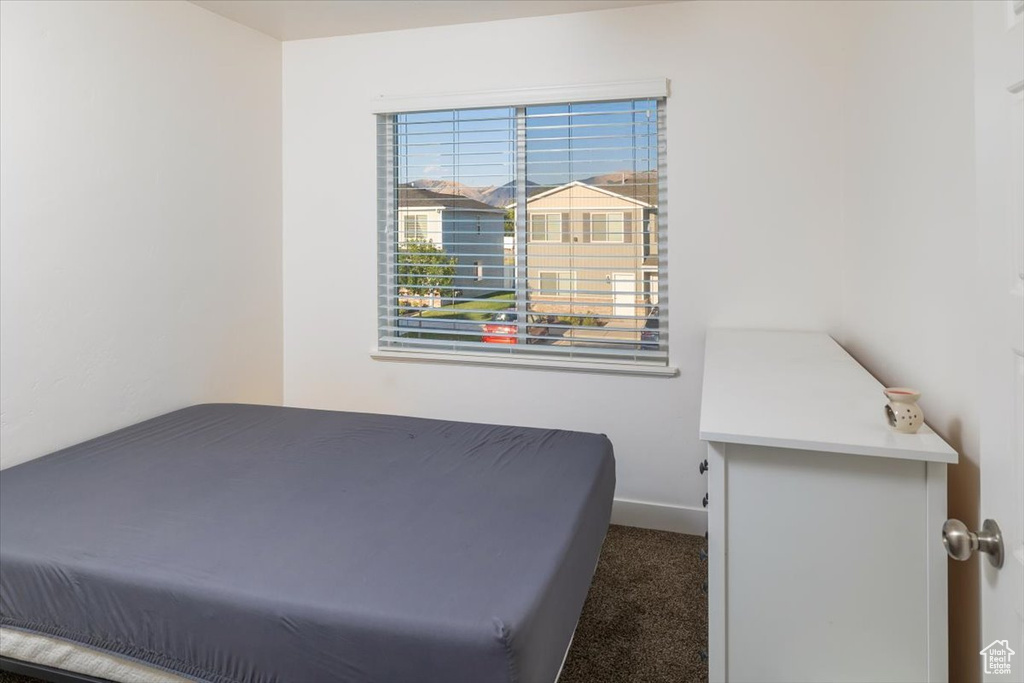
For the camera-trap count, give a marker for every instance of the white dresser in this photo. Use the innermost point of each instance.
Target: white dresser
(824, 525)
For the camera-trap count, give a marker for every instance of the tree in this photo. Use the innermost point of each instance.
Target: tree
(510, 222)
(424, 269)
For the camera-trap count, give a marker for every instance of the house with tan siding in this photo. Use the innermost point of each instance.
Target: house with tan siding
(592, 250)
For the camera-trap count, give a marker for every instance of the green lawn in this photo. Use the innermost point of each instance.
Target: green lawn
(488, 304)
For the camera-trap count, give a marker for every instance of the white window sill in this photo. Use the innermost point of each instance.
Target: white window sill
(492, 360)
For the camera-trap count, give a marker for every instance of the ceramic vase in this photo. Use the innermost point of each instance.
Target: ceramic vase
(902, 411)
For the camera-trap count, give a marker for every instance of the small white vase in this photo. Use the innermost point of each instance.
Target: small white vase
(902, 411)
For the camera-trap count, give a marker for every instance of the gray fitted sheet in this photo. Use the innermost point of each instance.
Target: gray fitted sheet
(256, 543)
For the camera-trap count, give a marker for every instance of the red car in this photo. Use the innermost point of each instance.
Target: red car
(502, 329)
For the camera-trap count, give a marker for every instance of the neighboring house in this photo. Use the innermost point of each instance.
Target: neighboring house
(596, 245)
(470, 231)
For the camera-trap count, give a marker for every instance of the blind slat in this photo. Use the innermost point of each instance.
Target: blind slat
(528, 349)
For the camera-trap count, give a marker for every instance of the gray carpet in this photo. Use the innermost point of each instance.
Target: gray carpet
(646, 617)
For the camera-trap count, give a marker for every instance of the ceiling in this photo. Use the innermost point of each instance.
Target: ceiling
(298, 19)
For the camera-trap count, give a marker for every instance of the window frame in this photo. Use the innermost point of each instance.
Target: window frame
(403, 237)
(388, 109)
(621, 233)
(547, 226)
(559, 292)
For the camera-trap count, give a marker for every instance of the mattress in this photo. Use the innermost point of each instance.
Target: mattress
(256, 543)
(57, 653)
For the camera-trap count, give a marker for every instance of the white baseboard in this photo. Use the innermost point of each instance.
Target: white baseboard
(682, 520)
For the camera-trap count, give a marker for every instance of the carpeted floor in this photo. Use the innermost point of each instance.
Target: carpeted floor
(646, 617)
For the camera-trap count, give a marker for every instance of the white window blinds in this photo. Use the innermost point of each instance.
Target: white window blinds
(524, 232)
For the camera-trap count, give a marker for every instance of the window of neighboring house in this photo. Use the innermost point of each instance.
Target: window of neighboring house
(545, 227)
(554, 283)
(607, 227)
(414, 227)
(571, 178)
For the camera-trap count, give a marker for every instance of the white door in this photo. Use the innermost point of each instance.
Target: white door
(624, 293)
(651, 288)
(999, 125)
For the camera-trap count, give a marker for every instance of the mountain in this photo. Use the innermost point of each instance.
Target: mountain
(503, 195)
(642, 185)
(451, 187)
(610, 180)
(498, 197)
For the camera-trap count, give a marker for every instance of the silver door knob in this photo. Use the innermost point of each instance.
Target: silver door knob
(961, 543)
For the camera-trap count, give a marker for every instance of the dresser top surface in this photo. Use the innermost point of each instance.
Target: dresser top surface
(801, 390)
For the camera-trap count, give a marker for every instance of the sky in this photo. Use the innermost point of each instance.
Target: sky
(476, 147)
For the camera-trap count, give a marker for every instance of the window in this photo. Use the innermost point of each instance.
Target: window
(554, 283)
(607, 227)
(546, 227)
(414, 227)
(577, 188)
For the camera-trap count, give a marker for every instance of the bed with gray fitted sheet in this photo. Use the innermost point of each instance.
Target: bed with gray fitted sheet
(262, 544)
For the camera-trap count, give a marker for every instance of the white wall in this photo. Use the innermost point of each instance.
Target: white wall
(910, 245)
(140, 211)
(754, 209)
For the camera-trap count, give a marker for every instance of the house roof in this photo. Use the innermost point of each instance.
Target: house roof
(420, 198)
(631, 192)
(645, 193)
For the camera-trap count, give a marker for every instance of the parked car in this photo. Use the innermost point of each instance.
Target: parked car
(503, 328)
(649, 333)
